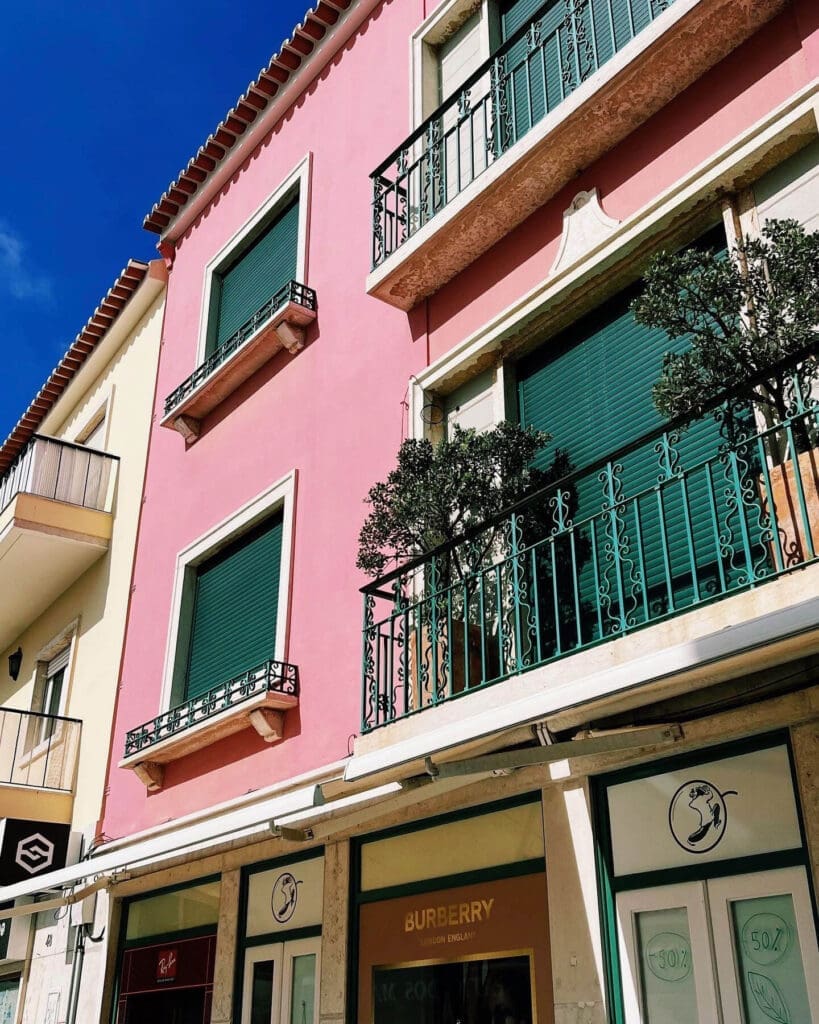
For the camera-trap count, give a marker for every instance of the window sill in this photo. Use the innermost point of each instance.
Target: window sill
(257, 699)
(280, 323)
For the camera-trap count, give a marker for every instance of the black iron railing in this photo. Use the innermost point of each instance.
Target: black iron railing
(531, 74)
(291, 292)
(62, 471)
(270, 677)
(38, 750)
(669, 523)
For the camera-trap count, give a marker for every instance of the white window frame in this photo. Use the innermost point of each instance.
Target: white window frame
(281, 496)
(299, 179)
(440, 26)
(64, 641)
(101, 414)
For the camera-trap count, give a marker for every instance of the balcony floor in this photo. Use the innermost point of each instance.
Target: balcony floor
(740, 634)
(681, 45)
(45, 546)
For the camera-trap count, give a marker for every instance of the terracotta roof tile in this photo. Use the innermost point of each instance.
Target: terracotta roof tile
(63, 373)
(280, 69)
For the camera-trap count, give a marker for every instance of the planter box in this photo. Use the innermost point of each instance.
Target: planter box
(787, 518)
(467, 667)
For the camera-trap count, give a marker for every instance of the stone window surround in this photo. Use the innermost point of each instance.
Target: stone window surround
(280, 496)
(440, 26)
(298, 180)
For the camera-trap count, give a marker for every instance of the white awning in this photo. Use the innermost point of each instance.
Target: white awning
(251, 822)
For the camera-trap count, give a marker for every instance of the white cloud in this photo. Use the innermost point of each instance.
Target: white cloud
(16, 277)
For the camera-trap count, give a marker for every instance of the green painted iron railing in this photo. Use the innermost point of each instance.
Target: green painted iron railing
(533, 72)
(269, 677)
(291, 292)
(540, 583)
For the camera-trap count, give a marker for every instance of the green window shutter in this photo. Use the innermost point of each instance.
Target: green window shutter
(573, 47)
(262, 268)
(535, 83)
(235, 609)
(591, 390)
(515, 13)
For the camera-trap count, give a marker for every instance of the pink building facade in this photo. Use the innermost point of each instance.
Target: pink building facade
(608, 810)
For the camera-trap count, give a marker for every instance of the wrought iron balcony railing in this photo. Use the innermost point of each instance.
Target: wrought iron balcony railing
(270, 677)
(293, 292)
(64, 472)
(37, 750)
(674, 521)
(534, 71)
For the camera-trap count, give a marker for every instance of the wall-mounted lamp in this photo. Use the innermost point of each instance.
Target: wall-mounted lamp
(15, 661)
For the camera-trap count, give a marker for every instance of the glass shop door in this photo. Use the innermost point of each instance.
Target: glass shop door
(281, 983)
(737, 950)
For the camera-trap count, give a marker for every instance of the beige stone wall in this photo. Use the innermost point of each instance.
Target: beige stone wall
(334, 934)
(95, 605)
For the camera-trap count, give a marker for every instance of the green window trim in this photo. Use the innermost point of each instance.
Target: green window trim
(235, 608)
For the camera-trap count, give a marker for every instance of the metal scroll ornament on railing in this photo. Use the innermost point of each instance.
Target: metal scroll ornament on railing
(291, 292)
(668, 524)
(269, 677)
(532, 73)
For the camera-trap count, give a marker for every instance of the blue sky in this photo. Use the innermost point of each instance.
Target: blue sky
(105, 103)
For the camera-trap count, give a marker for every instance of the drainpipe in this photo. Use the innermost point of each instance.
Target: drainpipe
(76, 975)
(83, 934)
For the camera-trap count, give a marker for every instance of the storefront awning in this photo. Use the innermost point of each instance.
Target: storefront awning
(251, 822)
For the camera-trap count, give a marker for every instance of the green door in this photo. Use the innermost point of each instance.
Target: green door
(264, 266)
(235, 609)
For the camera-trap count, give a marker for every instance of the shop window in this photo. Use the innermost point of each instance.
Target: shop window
(174, 911)
(722, 925)
(9, 994)
(168, 955)
(453, 920)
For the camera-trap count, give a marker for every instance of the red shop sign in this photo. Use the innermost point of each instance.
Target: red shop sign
(166, 963)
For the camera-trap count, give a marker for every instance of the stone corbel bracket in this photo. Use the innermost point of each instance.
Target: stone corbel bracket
(586, 226)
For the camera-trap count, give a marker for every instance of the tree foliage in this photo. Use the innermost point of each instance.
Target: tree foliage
(744, 316)
(438, 491)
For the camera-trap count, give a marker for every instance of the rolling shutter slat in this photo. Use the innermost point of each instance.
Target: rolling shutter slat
(591, 390)
(259, 272)
(235, 610)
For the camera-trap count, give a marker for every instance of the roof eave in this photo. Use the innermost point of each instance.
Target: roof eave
(274, 91)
